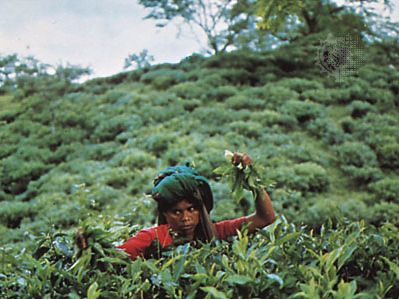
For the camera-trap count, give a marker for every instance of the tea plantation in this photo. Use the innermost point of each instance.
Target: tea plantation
(77, 162)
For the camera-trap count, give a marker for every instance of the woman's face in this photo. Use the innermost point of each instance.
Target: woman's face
(183, 218)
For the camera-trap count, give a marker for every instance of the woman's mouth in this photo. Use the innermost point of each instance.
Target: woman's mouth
(187, 227)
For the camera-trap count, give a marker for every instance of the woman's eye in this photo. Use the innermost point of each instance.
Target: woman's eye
(192, 209)
(177, 212)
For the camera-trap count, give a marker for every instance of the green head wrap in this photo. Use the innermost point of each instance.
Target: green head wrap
(176, 183)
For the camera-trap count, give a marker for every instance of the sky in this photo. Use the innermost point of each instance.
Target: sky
(98, 34)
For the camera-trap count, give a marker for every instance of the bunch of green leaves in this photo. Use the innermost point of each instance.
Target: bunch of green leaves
(242, 177)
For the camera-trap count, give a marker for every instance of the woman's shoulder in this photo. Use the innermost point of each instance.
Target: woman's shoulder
(229, 227)
(155, 231)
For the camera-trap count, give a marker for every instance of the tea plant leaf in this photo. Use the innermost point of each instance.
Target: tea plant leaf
(346, 290)
(214, 292)
(276, 278)
(392, 266)
(346, 254)
(93, 292)
(238, 279)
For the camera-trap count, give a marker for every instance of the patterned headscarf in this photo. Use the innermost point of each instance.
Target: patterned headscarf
(176, 183)
(181, 182)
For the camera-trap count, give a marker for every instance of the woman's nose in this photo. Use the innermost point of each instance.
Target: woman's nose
(186, 216)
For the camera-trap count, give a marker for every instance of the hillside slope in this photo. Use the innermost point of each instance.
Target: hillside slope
(331, 148)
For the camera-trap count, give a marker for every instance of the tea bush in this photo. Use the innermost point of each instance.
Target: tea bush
(386, 189)
(275, 95)
(221, 93)
(302, 111)
(241, 101)
(356, 154)
(281, 260)
(163, 78)
(77, 163)
(12, 212)
(327, 130)
(189, 90)
(304, 177)
(362, 175)
(360, 108)
(321, 96)
(133, 158)
(388, 154)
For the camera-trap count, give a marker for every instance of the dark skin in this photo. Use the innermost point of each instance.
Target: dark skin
(184, 217)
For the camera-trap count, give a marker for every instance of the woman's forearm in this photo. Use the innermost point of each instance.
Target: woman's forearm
(264, 212)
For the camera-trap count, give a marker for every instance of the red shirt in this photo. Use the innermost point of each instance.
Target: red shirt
(136, 245)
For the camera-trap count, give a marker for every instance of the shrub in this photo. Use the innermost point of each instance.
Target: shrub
(112, 96)
(353, 209)
(386, 189)
(300, 85)
(133, 158)
(340, 96)
(359, 108)
(12, 212)
(16, 173)
(268, 118)
(302, 111)
(214, 117)
(275, 95)
(388, 155)
(189, 90)
(157, 143)
(355, 154)
(239, 59)
(362, 175)
(322, 96)
(382, 213)
(303, 177)
(108, 130)
(290, 203)
(211, 78)
(373, 73)
(326, 129)
(248, 129)
(55, 181)
(241, 101)
(163, 78)
(383, 99)
(98, 151)
(159, 114)
(237, 76)
(221, 93)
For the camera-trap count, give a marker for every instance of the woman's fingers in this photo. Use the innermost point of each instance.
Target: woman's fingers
(241, 158)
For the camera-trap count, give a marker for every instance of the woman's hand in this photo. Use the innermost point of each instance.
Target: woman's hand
(264, 212)
(239, 159)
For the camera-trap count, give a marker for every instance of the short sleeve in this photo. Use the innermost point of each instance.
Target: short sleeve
(136, 245)
(228, 228)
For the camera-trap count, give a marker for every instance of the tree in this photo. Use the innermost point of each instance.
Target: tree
(220, 20)
(289, 20)
(139, 61)
(27, 75)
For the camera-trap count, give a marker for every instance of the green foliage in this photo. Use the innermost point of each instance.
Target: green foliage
(281, 260)
(302, 111)
(386, 189)
(303, 177)
(355, 154)
(163, 78)
(359, 108)
(85, 155)
(139, 61)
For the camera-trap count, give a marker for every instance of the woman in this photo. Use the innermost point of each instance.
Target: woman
(184, 201)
